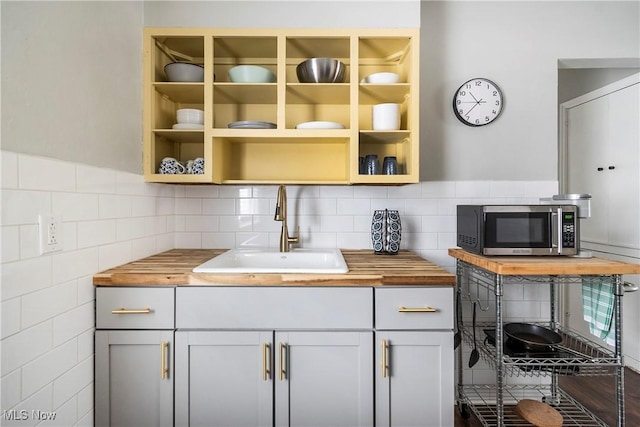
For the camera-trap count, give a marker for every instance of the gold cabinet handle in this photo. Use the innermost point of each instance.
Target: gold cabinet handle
(425, 309)
(131, 311)
(384, 359)
(164, 369)
(265, 361)
(282, 372)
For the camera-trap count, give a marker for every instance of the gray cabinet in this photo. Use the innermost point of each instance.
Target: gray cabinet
(414, 372)
(234, 378)
(414, 378)
(224, 378)
(324, 379)
(134, 357)
(280, 356)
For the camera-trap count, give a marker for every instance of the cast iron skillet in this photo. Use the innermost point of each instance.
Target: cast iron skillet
(531, 337)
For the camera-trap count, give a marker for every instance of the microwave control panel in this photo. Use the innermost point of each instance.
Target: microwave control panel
(568, 230)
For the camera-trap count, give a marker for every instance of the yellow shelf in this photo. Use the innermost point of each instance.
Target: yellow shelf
(284, 154)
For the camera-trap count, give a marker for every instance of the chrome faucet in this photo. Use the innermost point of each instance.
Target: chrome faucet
(281, 215)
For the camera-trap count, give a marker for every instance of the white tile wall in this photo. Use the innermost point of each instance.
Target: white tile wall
(111, 217)
(47, 301)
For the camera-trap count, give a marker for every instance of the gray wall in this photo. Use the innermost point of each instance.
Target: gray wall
(517, 45)
(71, 72)
(72, 81)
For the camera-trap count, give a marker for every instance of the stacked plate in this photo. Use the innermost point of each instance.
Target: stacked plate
(320, 125)
(250, 124)
(188, 126)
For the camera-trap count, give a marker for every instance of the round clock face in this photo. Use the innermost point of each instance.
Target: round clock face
(477, 102)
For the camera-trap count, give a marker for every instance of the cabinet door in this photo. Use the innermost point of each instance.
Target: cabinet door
(324, 379)
(623, 188)
(223, 378)
(414, 378)
(134, 378)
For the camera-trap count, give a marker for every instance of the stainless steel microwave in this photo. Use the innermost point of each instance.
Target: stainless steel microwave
(519, 229)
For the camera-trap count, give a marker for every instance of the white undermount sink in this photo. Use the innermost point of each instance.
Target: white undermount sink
(267, 260)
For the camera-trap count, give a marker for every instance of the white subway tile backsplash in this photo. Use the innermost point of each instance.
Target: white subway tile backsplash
(74, 264)
(438, 189)
(45, 369)
(113, 255)
(10, 389)
(95, 180)
(235, 192)
(68, 384)
(473, 189)
(95, 233)
(40, 401)
(85, 405)
(8, 170)
(10, 250)
(23, 207)
(336, 191)
(10, 312)
(29, 245)
(409, 191)
(21, 277)
(26, 345)
(188, 206)
(353, 207)
(75, 206)
(47, 303)
(336, 224)
(39, 173)
(69, 325)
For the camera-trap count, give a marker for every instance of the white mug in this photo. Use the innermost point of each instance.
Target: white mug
(386, 116)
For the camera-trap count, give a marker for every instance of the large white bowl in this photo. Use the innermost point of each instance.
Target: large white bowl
(382, 78)
(190, 115)
(251, 74)
(184, 72)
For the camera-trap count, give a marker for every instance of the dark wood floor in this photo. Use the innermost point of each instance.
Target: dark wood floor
(596, 393)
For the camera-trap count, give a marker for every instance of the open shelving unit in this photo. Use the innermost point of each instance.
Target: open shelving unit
(284, 154)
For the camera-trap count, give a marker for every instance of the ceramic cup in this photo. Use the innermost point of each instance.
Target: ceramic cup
(197, 167)
(171, 166)
(386, 116)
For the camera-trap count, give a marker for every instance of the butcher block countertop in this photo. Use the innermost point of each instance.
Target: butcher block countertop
(174, 267)
(545, 265)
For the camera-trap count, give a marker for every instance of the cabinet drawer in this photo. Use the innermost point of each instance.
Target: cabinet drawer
(414, 308)
(274, 308)
(135, 308)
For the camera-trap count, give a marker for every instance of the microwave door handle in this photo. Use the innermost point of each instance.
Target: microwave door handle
(559, 231)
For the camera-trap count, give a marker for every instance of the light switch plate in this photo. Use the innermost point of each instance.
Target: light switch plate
(50, 232)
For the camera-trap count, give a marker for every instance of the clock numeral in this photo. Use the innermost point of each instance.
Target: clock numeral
(497, 102)
(486, 118)
(478, 83)
(494, 112)
(468, 85)
(463, 93)
(461, 111)
(495, 93)
(458, 101)
(477, 121)
(467, 117)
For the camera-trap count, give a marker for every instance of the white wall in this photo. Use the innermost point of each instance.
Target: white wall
(72, 81)
(517, 45)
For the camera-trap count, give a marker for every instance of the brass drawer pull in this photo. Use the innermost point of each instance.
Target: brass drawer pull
(164, 369)
(131, 311)
(282, 371)
(265, 361)
(384, 359)
(425, 309)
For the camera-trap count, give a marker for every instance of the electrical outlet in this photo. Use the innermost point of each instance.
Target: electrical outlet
(50, 230)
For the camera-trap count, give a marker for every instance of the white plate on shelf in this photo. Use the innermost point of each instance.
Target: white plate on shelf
(251, 124)
(320, 125)
(191, 126)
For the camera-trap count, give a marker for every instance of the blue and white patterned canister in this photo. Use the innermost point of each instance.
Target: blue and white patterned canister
(378, 231)
(393, 232)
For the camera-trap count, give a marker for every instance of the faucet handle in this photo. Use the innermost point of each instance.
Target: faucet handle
(295, 238)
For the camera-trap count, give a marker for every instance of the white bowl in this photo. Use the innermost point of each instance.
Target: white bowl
(320, 125)
(382, 78)
(184, 72)
(251, 74)
(190, 115)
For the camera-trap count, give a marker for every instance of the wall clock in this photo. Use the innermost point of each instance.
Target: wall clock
(478, 102)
